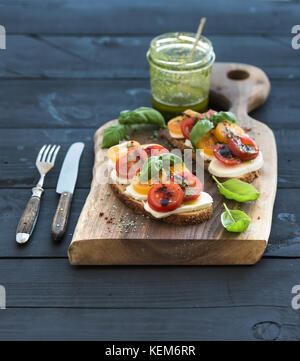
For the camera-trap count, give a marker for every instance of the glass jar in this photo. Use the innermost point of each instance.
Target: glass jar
(180, 79)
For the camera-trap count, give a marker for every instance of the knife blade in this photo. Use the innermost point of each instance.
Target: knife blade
(65, 187)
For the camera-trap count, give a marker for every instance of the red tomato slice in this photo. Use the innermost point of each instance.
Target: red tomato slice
(190, 184)
(187, 126)
(188, 123)
(243, 147)
(224, 155)
(155, 149)
(131, 163)
(165, 197)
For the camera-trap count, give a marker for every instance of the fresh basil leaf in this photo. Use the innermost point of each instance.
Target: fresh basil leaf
(112, 135)
(150, 168)
(234, 220)
(238, 190)
(199, 130)
(170, 159)
(223, 116)
(155, 164)
(142, 115)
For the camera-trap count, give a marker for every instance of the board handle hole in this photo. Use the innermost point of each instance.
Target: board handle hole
(238, 74)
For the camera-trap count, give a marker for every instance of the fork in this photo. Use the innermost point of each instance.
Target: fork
(44, 163)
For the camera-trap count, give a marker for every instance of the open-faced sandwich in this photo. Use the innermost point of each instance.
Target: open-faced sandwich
(224, 146)
(152, 181)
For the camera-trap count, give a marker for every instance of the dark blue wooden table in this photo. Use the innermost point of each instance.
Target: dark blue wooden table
(69, 67)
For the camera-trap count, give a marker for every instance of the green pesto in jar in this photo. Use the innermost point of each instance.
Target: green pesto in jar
(180, 80)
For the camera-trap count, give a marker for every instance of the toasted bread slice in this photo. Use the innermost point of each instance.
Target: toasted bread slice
(181, 219)
(249, 177)
(179, 143)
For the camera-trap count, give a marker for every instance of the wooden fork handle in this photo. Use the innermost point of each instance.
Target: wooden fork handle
(29, 217)
(60, 220)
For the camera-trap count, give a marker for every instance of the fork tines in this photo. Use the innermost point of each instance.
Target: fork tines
(48, 153)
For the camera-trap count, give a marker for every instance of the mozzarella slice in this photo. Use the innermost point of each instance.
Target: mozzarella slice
(116, 179)
(203, 155)
(118, 150)
(206, 156)
(134, 194)
(143, 146)
(188, 143)
(220, 169)
(178, 136)
(110, 164)
(204, 201)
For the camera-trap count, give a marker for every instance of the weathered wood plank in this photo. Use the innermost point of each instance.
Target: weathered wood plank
(77, 103)
(68, 103)
(251, 300)
(282, 108)
(125, 56)
(19, 147)
(12, 203)
(117, 16)
(53, 283)
(207, 324)
(285, 232)
(284, 239)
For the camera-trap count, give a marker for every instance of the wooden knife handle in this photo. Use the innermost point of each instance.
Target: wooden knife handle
(29, 217)
(61, 216)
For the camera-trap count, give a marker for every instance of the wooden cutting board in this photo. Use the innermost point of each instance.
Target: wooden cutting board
(96, 241)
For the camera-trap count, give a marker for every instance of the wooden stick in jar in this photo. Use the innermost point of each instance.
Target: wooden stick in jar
(199, 32)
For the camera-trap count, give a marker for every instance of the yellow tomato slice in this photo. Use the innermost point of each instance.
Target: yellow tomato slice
(174, 125)
(191, 113)
(207, 143)
(115, 152)
(141, 188)
(178, 168)
(167, 174)
(225, 129)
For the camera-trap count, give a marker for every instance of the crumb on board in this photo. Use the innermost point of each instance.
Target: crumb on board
(125, 223)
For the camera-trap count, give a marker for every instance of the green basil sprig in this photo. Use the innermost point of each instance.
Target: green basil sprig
(155, 164)
(234, 220)
(199, 130)
(150, 168)
(142, 115)
(223, 116)
(112, 135)
(203, 126)
(238, 190)
(170, 159)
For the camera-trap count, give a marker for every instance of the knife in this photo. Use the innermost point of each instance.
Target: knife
(65, 187)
